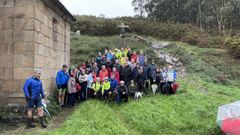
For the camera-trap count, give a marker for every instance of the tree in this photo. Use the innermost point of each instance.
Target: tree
(139, 7)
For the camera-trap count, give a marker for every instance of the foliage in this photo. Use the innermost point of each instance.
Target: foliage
(206, 14)
(192, 110)
(91, 25)
(234, 45)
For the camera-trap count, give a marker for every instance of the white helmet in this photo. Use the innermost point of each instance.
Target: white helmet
(37, 71)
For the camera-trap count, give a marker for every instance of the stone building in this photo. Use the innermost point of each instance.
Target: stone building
(33, 34)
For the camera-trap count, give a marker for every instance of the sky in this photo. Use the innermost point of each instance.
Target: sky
(110, 8)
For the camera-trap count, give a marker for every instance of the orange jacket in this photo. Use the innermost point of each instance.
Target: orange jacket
(103, 74)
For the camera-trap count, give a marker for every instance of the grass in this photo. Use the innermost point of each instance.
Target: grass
(192, 111)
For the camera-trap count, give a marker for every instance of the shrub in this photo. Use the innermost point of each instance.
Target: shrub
(233, 43)
(91, 25)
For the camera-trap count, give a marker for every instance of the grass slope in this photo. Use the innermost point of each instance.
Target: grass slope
(192, 111)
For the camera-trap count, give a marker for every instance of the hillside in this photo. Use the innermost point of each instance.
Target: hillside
(192, 110)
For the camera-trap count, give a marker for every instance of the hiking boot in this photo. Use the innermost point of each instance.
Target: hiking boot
(43, 124)
(31, 123)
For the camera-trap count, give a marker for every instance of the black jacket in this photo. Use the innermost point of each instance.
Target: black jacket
(127, 73)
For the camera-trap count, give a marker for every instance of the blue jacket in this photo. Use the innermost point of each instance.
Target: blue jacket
(113, 84)
(33, 88)
(109, 56)
(62, 78)
(141, 59)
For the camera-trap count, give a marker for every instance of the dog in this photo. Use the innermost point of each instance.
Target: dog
(154, 89)
(138, 95)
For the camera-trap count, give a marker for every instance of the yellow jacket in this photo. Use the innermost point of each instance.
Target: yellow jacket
(96, 86)
(105, 86)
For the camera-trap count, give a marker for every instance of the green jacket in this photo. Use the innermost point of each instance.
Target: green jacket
(96, 86)
(132, 89)
(105, 86)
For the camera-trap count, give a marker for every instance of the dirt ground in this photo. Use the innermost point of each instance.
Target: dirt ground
(56, 122)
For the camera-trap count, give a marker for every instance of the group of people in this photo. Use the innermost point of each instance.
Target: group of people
(115, 74)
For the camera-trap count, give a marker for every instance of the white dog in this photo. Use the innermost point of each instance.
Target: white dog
(154, 88)
(138, 95)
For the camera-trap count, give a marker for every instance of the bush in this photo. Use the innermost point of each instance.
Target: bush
(91, 25)
(233, 43)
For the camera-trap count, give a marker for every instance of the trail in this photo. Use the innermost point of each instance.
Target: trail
(55, 123)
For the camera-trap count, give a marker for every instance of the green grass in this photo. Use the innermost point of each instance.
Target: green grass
(192, 111)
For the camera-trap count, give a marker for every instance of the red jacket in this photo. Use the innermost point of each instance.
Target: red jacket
(117, 77)
(134, 57)
(103, 74)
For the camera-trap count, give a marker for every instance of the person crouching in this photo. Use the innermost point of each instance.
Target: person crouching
(113, 86)
(96, 88)
(121, 92)
(106, 89)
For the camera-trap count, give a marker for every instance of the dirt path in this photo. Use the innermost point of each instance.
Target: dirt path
(56, 122)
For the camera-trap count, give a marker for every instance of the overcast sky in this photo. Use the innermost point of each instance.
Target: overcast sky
(110, 8)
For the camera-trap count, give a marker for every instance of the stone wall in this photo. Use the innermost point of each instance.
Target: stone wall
(26, 42)
(50, 54)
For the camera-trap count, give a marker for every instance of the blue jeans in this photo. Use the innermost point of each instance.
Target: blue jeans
(121, 96)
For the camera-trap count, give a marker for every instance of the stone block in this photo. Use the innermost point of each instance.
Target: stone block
(2, 73)
(6, 60)
(6, 3)
(25, 3)
(7, 85)
(6, 13)
(24, 24)
(29, 36)
(18, 36)
(9, 74)
(21, 73)
(39, 61)
(24, 48)
(4, 36)
(24, 12)
(28, 60)
(7, 24)
(4, 48)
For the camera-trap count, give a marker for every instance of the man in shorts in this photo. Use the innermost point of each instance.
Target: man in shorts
(62, 81)
(34, 93)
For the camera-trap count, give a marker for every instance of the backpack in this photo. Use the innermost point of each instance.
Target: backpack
(175, 86)
(166, 89)
(78, 87)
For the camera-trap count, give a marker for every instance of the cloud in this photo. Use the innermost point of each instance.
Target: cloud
(110, 8)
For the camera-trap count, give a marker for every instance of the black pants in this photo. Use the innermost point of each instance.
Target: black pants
(83, 90)
(71, 98)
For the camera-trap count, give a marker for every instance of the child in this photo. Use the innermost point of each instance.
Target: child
(132, 88)
(106, 89)
(113, 84)
(95, 89)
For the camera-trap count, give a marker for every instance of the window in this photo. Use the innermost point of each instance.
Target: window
(55, 33)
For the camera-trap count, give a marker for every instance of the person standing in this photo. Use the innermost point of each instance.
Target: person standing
(115, 73)
(72, 90)
(34, 93)
(62, 82)
(140, 79)
(83, 83)
(152, 72)
(127, 74)
(103, 73)
(171, 77)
